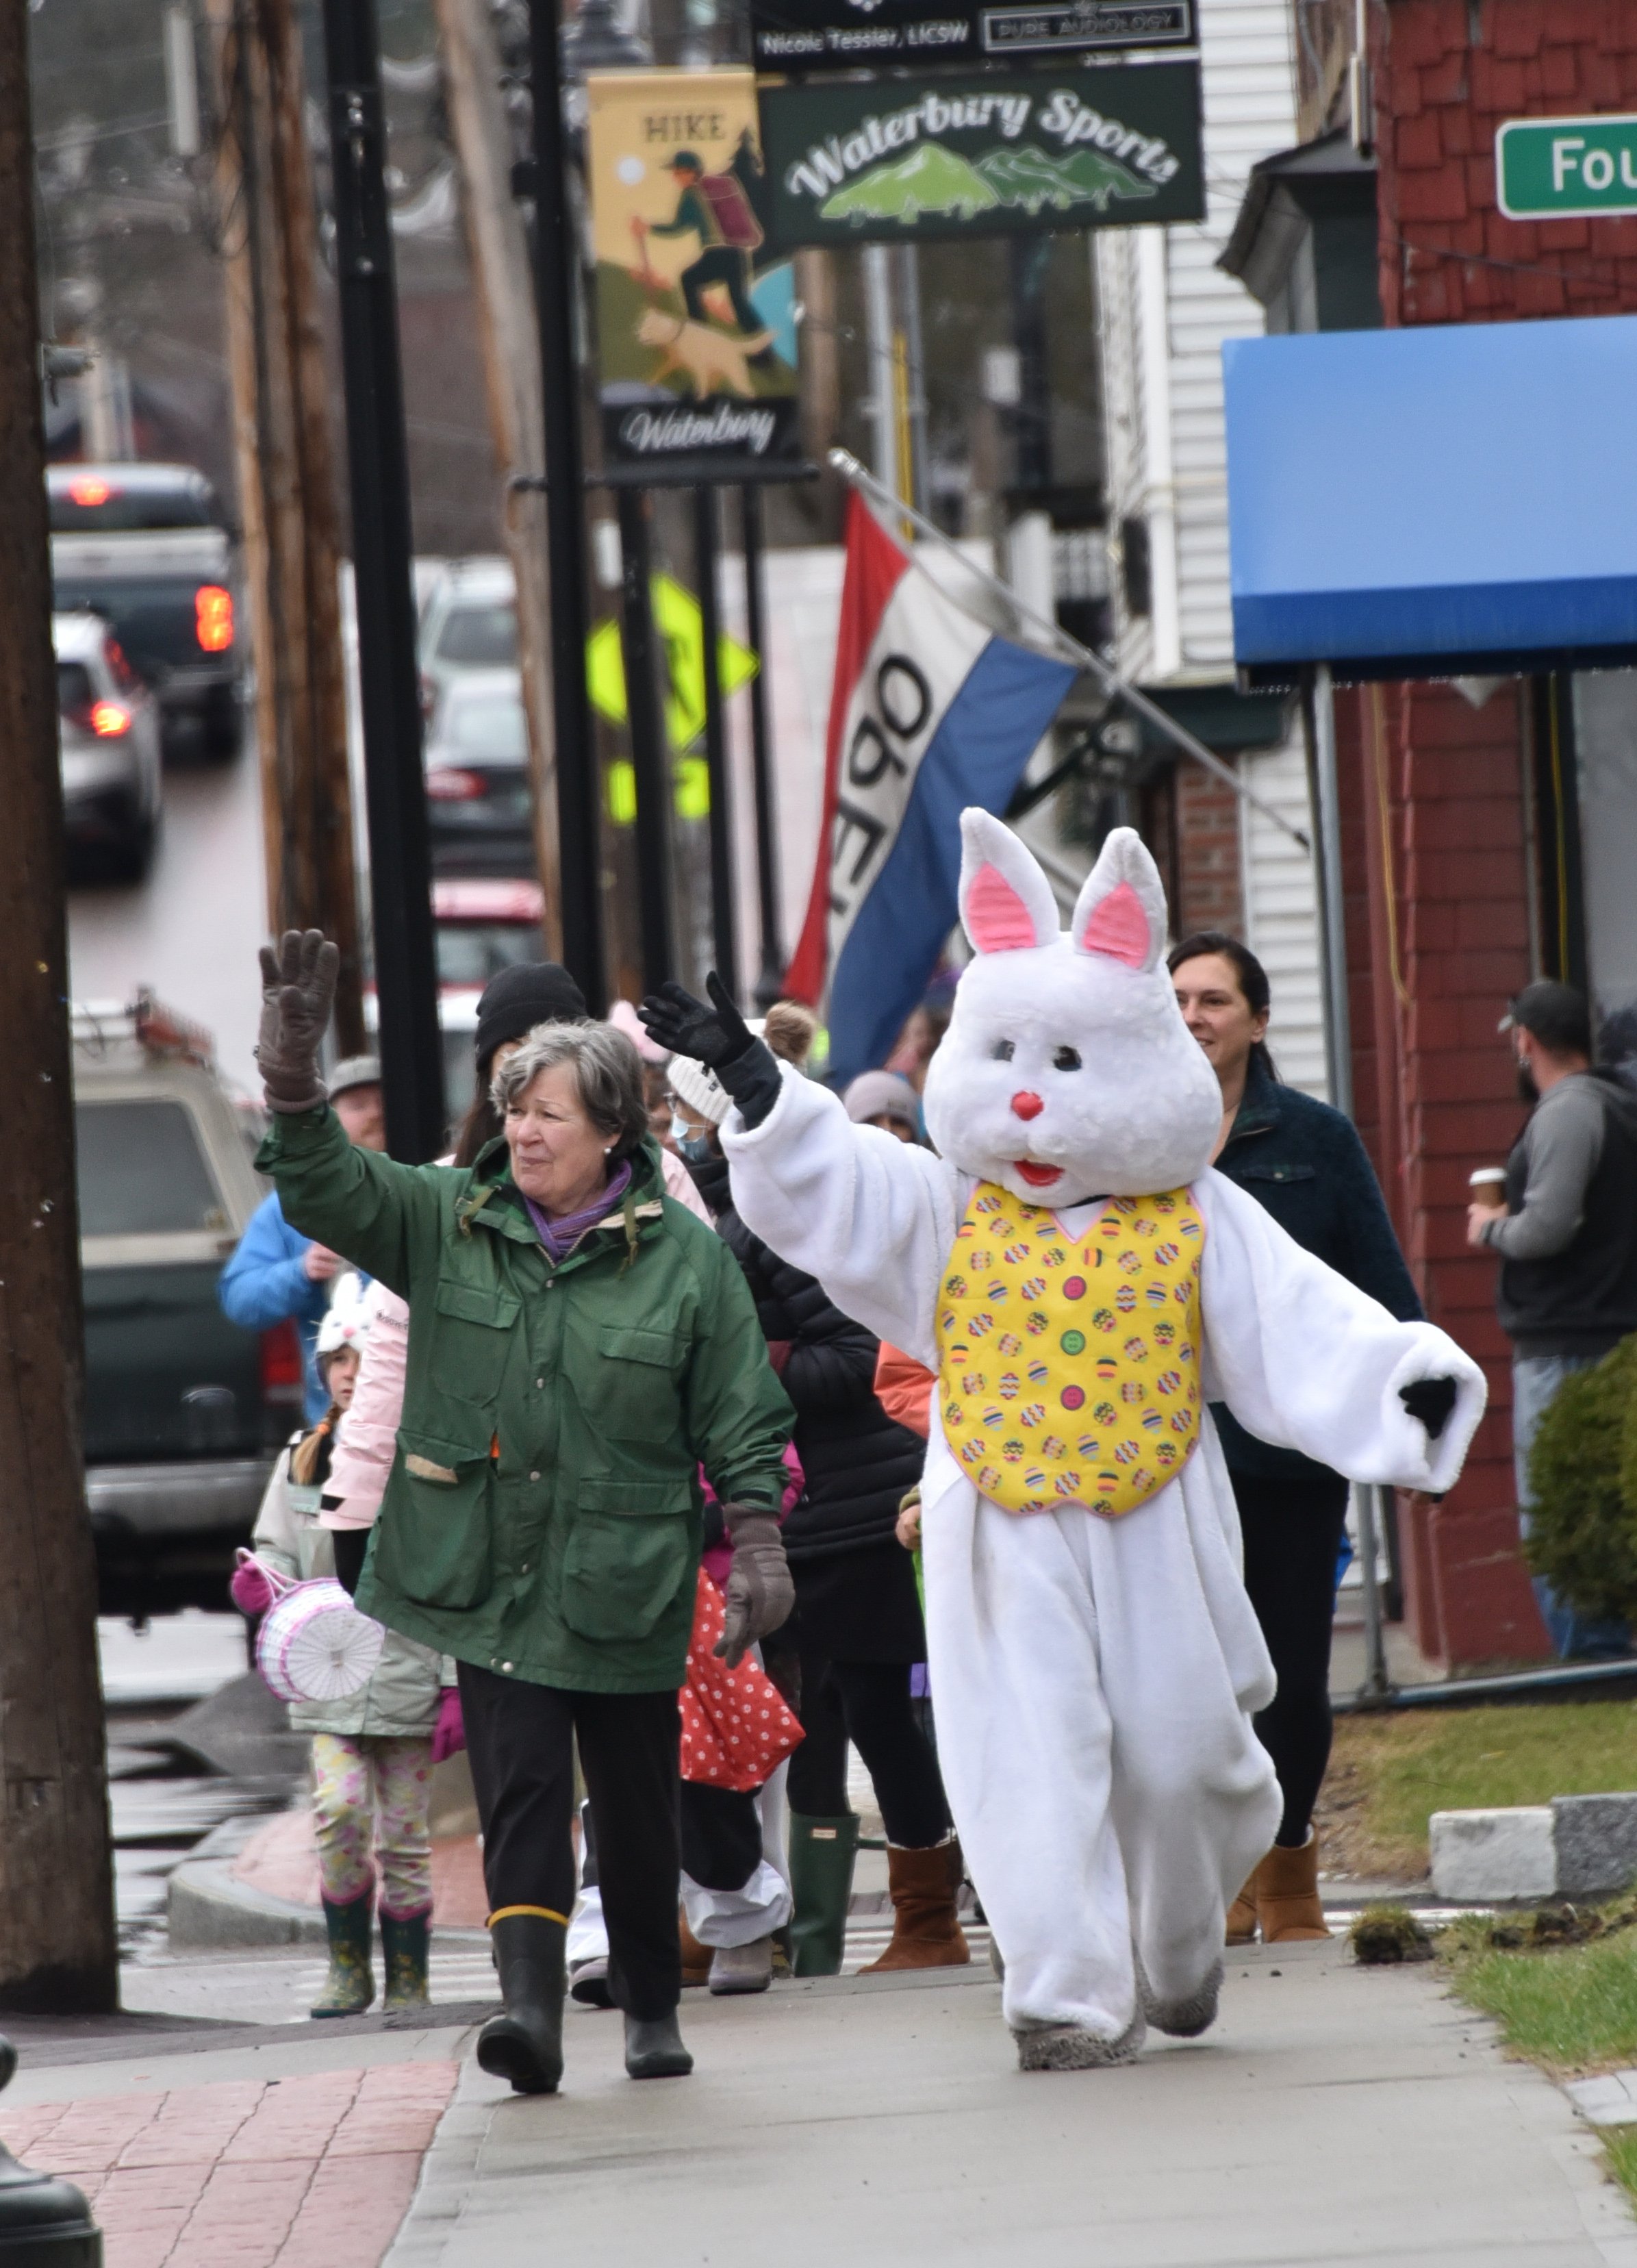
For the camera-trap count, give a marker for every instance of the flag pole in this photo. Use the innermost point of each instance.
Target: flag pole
(843, 461)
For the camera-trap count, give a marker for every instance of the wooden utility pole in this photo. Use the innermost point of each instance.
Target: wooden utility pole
(58, 1949)
(504, 291)
(286, 483)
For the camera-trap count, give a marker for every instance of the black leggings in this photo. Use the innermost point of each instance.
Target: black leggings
(869, 1703)
(1293, 1531)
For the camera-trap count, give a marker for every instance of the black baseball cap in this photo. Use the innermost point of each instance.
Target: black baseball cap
(688, 158)
(1557, 1014)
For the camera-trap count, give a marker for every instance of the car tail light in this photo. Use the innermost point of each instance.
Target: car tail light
(109, 720)
(445, 784)
(283, 1372)
(88, 494)
(213, 618)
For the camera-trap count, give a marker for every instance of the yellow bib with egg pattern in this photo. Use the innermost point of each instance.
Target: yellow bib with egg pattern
(1068, 1370)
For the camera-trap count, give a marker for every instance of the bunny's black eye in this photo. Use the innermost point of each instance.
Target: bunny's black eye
(1001, 1051)
(1066, 1059)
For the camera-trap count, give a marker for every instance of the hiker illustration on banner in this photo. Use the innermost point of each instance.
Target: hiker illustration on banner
(896, 159)
(695, 317)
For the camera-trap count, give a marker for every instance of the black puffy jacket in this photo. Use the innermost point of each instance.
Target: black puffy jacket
(857, 1461)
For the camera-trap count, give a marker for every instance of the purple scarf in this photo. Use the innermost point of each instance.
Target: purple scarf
(560, 1237)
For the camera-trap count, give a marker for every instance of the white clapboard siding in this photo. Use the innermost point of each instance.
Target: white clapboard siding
(1282, 912)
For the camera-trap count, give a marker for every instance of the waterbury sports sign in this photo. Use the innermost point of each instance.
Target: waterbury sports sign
(803, 35)
(943, 156)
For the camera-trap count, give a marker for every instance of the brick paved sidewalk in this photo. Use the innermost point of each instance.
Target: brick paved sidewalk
(309, 2172)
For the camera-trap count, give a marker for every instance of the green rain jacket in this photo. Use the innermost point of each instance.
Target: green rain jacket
(543, 1516)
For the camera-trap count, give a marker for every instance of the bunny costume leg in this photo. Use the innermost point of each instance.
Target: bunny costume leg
(1094, 1683)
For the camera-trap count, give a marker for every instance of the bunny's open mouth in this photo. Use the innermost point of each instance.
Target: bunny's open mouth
(1038, 1177)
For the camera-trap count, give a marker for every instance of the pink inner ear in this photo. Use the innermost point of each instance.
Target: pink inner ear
(1119, 927)
(997, 920)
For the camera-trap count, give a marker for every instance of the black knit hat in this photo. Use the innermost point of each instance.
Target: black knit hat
(535, 992)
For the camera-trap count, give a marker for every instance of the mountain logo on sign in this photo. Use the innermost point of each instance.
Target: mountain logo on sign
(935, 182)
(931, 181)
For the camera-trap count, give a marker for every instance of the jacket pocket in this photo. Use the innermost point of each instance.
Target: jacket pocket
(434, 1544)
(629, 1393)
(630, 1552)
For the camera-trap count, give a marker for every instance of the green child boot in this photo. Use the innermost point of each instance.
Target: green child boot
(349, 1987)
(406, 1940)
(821, 1884)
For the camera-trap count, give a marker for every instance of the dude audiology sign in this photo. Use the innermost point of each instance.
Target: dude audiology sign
(986, 156)
(695, 315)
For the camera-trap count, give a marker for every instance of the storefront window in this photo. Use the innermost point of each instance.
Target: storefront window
(1605, 750)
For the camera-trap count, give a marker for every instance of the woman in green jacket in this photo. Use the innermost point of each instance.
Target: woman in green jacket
(579, 1345)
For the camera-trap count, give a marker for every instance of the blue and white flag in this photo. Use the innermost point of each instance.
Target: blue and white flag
(930, 713)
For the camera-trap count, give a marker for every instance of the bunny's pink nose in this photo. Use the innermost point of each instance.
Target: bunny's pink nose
(1027, 1105)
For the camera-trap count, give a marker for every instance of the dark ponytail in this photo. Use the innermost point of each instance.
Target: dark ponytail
(1254, 984)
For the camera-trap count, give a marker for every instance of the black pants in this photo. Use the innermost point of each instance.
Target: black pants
(869, 1703)
(722, 1844)
(1293, 1531)
(720, 264)
(520, 1743)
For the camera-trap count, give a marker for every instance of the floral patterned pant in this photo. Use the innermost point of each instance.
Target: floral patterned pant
(369, 1795)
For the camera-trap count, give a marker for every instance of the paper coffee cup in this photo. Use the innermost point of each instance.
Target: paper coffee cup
(1488, 1186)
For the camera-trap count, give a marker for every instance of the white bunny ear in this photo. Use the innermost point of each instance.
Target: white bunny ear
(1120, 911)
(1006, 902)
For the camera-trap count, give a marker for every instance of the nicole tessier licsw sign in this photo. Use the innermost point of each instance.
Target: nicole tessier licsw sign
(1563, 168)
(980, 156)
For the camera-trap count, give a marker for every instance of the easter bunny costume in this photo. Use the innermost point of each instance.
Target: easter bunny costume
(1084, 1284)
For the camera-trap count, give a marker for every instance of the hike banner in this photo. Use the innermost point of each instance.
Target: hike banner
(695, 315)
(902, 159)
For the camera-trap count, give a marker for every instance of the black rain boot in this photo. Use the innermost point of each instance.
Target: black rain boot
(654, 2048)
(349, 1987)
(821, 1886)
(525, 2044)
(406, 1942)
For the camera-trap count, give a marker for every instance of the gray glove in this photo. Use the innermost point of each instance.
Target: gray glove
(297, 993)
(760, 1593)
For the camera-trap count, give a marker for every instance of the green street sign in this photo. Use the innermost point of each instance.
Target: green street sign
(1566, 168)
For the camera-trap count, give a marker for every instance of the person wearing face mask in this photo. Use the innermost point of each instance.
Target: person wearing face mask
(1304, 1164)
(579, 1345)
(1565, 1235)
(858, 1629)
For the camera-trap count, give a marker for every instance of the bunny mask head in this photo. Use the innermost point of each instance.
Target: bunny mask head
(1068, 1071)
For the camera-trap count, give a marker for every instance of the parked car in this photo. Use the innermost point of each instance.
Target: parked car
(150, 549)
(183, 1409)
(484, 923)
(108, 735)
(478, 796)
(469, 620)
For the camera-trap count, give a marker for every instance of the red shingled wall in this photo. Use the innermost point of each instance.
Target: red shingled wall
(1435, 1088)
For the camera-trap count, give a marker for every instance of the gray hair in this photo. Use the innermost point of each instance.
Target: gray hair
(608, 1077)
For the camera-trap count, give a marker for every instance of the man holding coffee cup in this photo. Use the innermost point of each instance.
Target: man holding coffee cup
(1562, 1217)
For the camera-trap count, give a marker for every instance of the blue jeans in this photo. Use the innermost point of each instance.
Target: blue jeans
(1536, 1379)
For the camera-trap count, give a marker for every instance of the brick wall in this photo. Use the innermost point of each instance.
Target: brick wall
(1448, 254)
(1206, 853)
(1442, 888)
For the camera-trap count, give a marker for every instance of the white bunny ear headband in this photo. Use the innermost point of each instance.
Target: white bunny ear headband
(1007, 905)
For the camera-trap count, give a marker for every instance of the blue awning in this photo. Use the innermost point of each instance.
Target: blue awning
(1436, 501)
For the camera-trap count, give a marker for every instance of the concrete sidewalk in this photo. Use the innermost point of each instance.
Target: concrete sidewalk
(1335, 2114)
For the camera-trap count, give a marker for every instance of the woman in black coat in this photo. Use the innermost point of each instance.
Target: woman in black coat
(857, 1623)
(1304, 1164)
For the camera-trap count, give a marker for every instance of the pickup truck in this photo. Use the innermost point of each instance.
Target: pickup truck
(184, 1411)
(148, 547)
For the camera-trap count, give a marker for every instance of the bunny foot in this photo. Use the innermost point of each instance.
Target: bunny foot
(1068, 2047)
(1186, 2018)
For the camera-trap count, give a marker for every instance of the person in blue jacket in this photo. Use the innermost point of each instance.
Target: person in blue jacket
(1304, 1163)
(277, 1272)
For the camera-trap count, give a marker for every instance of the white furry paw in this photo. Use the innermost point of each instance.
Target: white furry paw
(1068, 2047)
(1186, 2018)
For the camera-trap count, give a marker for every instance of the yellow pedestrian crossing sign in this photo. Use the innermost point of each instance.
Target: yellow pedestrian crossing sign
(679, 620)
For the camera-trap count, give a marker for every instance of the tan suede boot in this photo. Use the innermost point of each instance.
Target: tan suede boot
(1242, 1916)
(695, 1957)
(926, 1932)
(1286, 1894)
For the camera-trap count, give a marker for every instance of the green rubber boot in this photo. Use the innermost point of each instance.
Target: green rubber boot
(406, 1941)
(526, 2043)
(349, 1987)
(821, 1883)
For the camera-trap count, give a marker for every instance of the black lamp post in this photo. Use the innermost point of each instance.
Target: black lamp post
(42, 2218)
